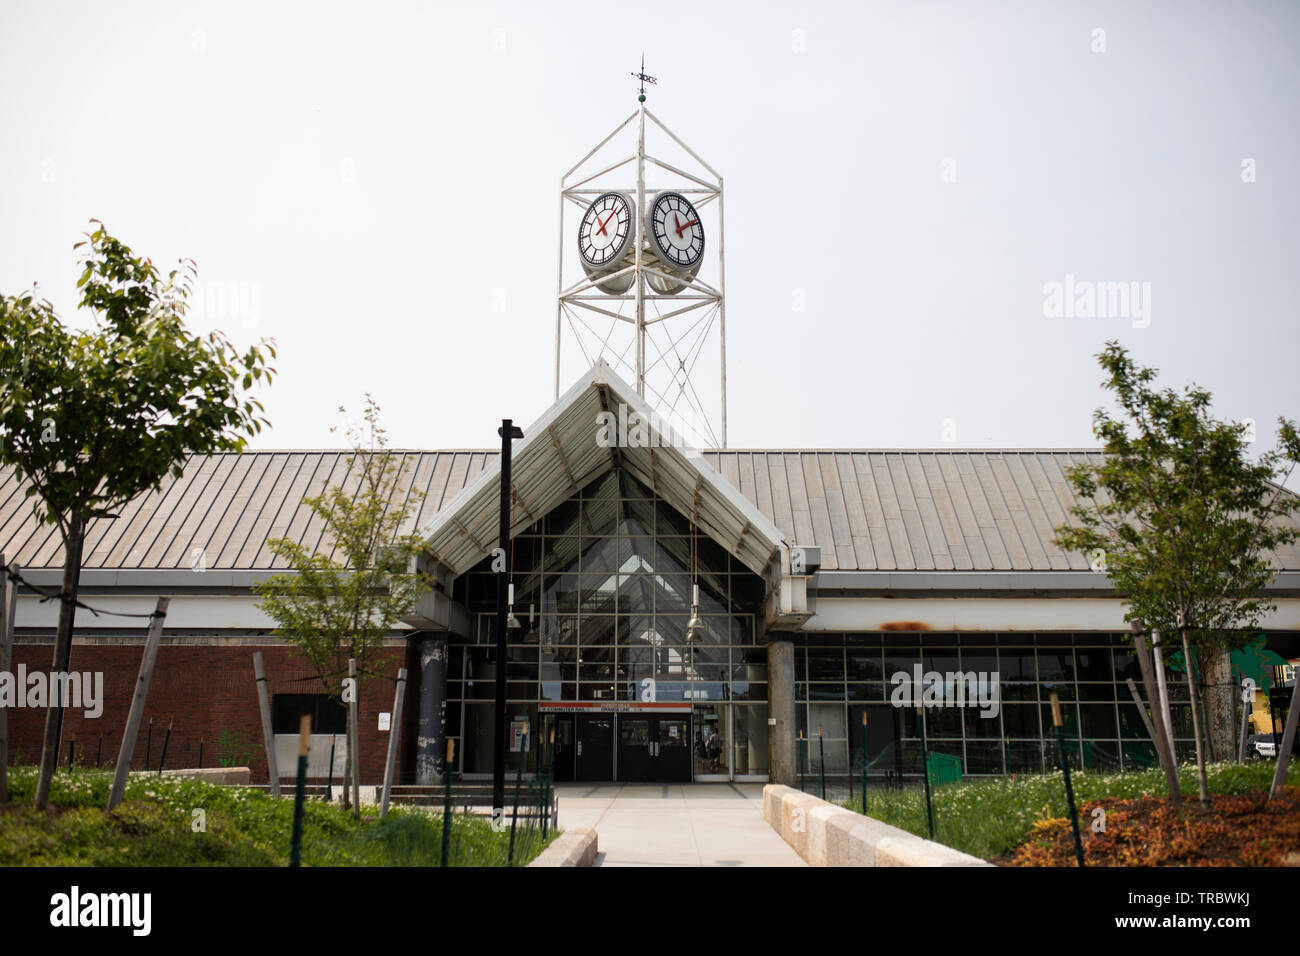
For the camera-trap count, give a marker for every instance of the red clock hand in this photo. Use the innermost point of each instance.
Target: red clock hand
(601, 230)
(683, 228)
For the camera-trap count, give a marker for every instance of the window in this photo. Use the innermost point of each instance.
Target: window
(328, 716)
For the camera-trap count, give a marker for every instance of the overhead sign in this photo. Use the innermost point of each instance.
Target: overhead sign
(619, 706)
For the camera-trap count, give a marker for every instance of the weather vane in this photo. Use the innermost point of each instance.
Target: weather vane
(644, 78)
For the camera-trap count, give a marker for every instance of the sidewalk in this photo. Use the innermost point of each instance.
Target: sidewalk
(698, 824)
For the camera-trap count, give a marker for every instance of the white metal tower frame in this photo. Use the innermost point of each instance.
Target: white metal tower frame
(697, 299)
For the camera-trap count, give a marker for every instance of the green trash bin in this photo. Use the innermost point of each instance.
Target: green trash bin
(942, 768)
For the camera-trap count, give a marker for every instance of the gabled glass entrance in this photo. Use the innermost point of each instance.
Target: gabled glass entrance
(603, 594)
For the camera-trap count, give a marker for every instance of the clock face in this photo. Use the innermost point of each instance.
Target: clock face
(606, 230)
(675, 226)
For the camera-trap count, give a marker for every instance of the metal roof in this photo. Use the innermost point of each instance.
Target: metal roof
(868, 510)
(564, 450)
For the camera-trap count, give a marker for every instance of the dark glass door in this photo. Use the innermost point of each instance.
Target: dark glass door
(565, 749)
(595, 749)
(634, 749)
(654, 749)
(672, 760)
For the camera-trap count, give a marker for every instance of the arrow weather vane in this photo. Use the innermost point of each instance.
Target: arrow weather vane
(644, 78)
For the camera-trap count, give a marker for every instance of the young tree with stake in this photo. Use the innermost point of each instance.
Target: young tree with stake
(90, 419)
(339, 610)
(1187, 522)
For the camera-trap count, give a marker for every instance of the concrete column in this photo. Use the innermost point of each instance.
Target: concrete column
(782, 766)
(430, 747)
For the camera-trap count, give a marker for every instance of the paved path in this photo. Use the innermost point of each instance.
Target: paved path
(693, 824)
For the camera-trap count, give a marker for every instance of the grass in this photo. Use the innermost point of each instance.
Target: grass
(156, 826)
(990, 817)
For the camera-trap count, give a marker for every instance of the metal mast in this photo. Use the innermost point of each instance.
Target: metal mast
(669, 329)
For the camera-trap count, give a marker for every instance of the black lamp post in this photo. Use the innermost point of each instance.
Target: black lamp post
(508, 431)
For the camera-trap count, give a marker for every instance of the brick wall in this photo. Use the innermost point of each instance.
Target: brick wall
(202, 690)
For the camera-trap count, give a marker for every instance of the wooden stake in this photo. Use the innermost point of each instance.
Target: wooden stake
(132, 730)
(392, 740)
(8, 608)
(264, 702)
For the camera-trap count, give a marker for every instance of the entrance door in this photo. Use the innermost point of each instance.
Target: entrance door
(673, 749)
(565, 748)
(595, 749)
(635, 751)
(654, 749)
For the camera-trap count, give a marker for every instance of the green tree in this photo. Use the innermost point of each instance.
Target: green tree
(90, 419)
(332, 610)
(1186, 521)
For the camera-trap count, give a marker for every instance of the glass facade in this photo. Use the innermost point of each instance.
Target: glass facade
(603, 592)
(842, 677)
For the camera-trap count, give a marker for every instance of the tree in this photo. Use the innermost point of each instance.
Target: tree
(335, 611)
(90, 419)
(1187, 522)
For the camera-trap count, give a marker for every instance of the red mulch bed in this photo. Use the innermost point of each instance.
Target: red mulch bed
(1238, 830)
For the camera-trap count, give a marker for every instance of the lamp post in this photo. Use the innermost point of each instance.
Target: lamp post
(508, 431)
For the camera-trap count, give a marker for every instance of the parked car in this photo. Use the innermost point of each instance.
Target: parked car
(1259, 746)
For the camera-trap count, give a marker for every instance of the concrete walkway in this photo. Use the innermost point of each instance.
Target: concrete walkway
(676, 824)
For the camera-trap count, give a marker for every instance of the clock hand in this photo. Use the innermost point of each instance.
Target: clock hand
(606, 222)
(682, 228)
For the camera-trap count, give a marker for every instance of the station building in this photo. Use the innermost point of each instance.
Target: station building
(822, 575)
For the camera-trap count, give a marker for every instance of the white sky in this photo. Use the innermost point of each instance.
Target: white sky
(368, 180)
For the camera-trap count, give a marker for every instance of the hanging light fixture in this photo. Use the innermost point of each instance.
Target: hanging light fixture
(512, 622)
(695, 626)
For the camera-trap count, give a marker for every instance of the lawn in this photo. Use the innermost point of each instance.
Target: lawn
(991, 817)
(157, 825)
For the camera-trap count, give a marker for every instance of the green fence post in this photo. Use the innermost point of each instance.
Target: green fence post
(519, 777)
(300, 794)
(446, 799)
(1065, 766)
(925, 772)
(821, 758)
(546, 782)
(329, 779)
(166, 740)
(864, 761)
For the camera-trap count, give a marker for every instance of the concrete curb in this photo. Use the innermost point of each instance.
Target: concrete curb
(576, 847)
(827, 835)
(222, 775)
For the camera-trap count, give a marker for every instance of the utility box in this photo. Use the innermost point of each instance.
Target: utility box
(941, 768)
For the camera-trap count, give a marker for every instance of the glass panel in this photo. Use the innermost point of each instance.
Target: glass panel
(979, 659)
(874, 690)
(983, 758)
(982, 722)
(864, 664)
(709, 747)
(751, 739)
(826, 664)
(599, 554)
(1055, 665)
(941, 659)
(1024, 756)
(831, 718)
(563, 519)
(1094, 664)
(1016, 664)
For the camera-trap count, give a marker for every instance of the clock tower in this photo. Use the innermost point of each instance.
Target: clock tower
(641, 278)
